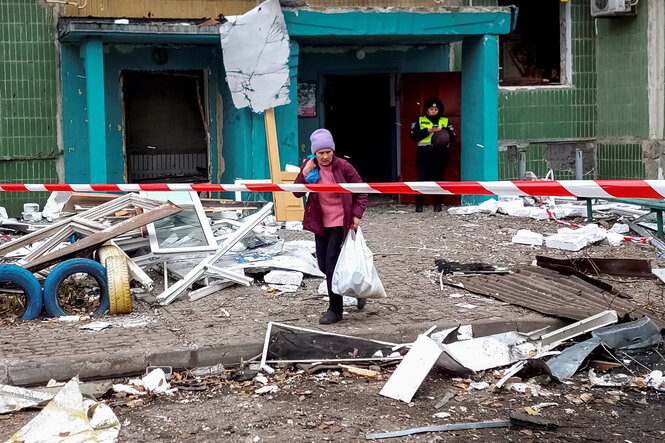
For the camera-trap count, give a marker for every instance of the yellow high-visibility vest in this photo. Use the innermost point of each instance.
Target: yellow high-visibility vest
(426, 123)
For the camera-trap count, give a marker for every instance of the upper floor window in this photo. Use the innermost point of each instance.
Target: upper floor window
(535, 52)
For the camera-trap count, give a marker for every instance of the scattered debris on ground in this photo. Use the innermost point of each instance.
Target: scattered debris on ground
(527, 383)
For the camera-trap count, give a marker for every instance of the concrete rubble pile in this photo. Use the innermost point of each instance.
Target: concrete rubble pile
(206, 245)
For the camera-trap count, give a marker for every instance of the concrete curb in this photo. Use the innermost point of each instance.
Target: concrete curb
(113, 365)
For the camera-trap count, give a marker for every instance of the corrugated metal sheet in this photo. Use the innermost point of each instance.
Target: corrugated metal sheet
(552, 293)
(158, 8)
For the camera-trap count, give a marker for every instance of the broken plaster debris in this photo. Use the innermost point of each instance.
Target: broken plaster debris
(575, 239)
(277, 277)
(154, 382)
(256, 50)
(526, 237)
(69, 414)
(14, 398)
(655, 379)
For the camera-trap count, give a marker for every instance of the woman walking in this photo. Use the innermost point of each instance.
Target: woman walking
(328, 215)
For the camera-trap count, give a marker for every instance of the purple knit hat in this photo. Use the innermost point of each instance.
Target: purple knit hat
(321, 139)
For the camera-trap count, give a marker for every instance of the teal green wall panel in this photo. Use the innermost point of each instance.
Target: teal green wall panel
(622, 75)
(620, 162)
(28, 99)
(28, 171)
(74, 120)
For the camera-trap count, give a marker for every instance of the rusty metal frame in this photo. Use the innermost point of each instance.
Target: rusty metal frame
(620, 267)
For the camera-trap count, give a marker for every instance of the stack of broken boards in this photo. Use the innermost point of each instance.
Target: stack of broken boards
(107, 226)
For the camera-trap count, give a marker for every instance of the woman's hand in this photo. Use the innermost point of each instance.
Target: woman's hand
(355, 223)
(309, 167)
(433, 129)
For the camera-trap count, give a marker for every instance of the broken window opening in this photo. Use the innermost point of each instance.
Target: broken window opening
(166, 131)
(535, 53)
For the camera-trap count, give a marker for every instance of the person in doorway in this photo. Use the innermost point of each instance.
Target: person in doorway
(328, 215)
(433, 135)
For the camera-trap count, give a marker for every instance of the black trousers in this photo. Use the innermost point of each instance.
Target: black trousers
(431, 164)
(328, 247)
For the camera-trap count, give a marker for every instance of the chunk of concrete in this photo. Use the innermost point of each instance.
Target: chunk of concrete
(526, 237)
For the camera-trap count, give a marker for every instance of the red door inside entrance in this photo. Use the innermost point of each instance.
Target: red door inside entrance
(416, 88)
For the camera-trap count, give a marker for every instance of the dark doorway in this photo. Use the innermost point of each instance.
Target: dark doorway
(359, 114)
(165, 126)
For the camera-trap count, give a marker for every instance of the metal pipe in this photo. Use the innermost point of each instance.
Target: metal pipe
(579, 164)
(522, 170)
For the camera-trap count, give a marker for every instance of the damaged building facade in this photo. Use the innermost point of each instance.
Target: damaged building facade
(89, 98)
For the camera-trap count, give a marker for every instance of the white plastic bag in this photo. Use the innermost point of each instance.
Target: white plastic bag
(355, 274)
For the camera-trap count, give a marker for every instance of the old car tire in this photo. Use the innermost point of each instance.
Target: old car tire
(120, 297)
(64, 270)
(107, 250)
(28, 282)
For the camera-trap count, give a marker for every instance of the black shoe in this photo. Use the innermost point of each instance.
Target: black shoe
(361, 303)
(419, 208)
(437, 208)
(329, 317)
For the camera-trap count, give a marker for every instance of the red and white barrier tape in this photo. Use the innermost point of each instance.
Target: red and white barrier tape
(562, 188)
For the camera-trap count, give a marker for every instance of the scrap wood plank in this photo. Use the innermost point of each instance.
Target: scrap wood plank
(86, 245)
(287, 206)
(91, 199)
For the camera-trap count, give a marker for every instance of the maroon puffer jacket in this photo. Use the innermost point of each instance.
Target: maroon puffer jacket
(354, 204)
